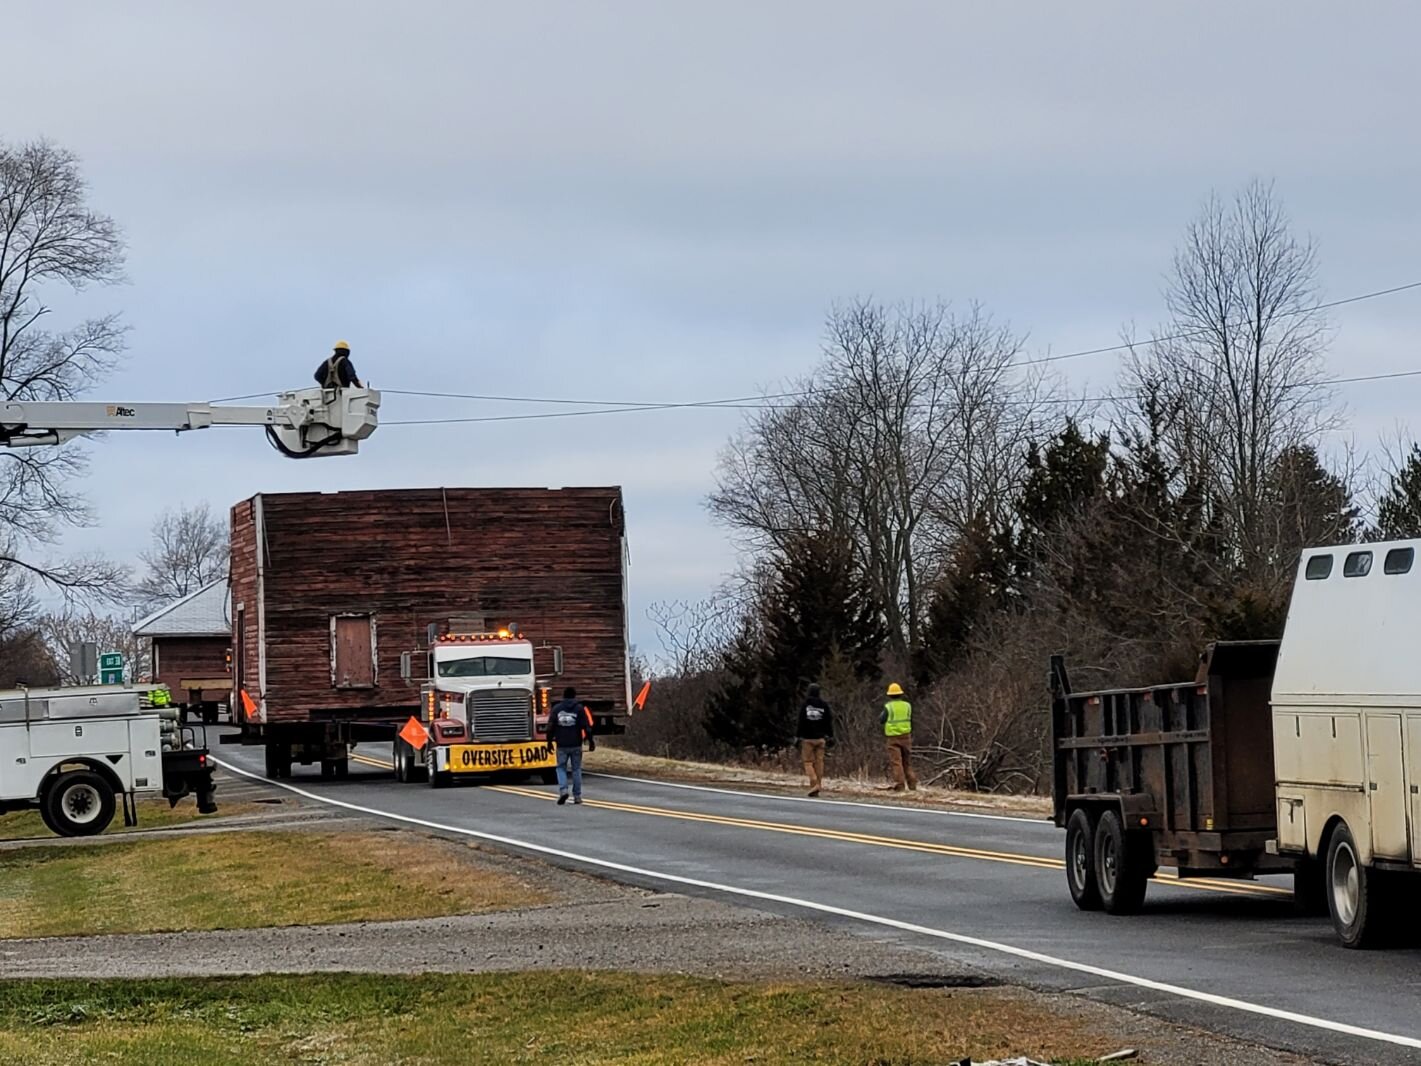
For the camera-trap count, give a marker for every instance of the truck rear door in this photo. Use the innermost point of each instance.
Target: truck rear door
(1386, 786)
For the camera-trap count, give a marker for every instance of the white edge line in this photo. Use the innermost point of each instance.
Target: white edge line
(1043, 821)
(871, 919)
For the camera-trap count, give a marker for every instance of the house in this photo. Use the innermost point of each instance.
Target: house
(191, 639)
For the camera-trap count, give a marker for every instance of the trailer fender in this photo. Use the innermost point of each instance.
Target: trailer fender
(1136, 811)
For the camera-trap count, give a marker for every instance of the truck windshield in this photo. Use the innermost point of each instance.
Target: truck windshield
(485, 666)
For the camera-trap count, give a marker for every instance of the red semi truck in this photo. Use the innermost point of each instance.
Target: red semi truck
(340, 601)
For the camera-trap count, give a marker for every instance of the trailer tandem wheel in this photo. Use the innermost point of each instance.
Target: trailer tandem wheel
(1080, 860)
(1122, 865)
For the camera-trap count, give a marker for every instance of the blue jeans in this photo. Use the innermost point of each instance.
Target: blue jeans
(570, 762)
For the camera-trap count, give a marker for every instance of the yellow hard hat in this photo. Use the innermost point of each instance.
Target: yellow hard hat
(895, 689)
(342, 345)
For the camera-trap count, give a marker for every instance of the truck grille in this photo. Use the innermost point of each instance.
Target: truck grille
(499, 716)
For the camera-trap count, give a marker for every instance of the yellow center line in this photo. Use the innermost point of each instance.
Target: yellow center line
(1038, 861)
(372, 762)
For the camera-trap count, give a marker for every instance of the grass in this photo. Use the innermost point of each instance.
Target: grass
(152, 814)
(191, 882)
(577, 1018)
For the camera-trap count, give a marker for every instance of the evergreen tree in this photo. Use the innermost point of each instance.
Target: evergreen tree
(1399, 511)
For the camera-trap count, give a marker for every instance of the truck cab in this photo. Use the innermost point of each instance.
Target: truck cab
(485, 709)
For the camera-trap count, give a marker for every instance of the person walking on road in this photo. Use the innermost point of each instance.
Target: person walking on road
(815, 733)
(569, 724)
(897, 719)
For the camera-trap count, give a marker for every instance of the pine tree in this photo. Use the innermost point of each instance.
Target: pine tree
(1399, 511)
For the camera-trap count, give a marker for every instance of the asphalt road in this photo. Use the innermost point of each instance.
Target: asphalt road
(982, 891)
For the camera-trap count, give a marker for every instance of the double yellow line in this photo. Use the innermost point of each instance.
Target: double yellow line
(1041, 862)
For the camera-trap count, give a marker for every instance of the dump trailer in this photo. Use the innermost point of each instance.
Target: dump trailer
(1301, 755)
(1177, 775)
(334, 594)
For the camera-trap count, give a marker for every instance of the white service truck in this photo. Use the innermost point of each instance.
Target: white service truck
(76, 754)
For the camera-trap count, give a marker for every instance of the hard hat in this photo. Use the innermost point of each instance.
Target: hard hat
(342, 346)
(895, 689)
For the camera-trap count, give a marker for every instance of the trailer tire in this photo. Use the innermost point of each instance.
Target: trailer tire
(1357, 896)
(80, 803)
(1122, 866)
(334, 768)
(278, 760)
(1080, 860)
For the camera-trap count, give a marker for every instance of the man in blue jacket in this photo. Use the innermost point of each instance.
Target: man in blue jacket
(569, 724)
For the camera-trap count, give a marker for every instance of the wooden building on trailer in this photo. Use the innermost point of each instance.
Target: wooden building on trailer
(328, 589)
(191, 639)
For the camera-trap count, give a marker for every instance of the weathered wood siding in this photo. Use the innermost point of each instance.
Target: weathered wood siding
(548, 559)
(181, 658)
(246, 640)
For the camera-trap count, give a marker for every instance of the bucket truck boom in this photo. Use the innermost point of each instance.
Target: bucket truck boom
(301, 424)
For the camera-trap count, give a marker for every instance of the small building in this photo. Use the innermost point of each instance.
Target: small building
(191, 640)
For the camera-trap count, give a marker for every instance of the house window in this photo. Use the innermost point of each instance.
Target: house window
(353, 651)
(1398, 560)
(1358, 564)
(1319, 567)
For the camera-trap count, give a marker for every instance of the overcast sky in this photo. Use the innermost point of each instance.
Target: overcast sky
(658, 202)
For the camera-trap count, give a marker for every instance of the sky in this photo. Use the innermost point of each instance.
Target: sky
(658, 202)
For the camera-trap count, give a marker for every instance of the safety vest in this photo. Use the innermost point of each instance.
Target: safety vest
(900, 718)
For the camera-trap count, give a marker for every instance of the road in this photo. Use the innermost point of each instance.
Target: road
(980, 890)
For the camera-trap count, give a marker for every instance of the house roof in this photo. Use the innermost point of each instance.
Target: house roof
(204, 613)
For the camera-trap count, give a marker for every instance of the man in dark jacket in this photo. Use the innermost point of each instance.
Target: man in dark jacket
(569, 724)
(338, 372)
(815, 732)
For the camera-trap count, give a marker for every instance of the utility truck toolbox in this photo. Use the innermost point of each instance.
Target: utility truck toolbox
(75, 754)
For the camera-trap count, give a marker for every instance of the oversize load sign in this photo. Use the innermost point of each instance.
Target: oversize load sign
(486, 758)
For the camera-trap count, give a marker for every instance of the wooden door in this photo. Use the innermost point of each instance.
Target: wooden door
(353, 651)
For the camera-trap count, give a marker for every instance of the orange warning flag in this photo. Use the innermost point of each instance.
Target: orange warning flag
(248, 704)
(414, 734)
(640, 702)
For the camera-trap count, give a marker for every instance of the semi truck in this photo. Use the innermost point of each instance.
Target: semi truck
(76, 754)
(1299, 755)
(334, 596)
(484, 706)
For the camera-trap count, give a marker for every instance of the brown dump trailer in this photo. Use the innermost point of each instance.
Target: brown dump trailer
(1177, 775)
(329, 590)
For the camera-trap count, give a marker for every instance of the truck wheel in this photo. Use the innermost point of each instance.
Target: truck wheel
(399, 757)
(79, 803)
(435, 779)
(1080, 861)
(1356, 895)
(1121, 866)
(1310, 888)
(278, 760)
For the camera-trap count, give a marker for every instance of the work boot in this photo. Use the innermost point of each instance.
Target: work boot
(899, 788)
(913, 787)
(562, 798)
(814, 792)
(577, 800)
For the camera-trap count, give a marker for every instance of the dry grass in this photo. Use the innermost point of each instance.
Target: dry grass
(586, 1018)
(219, 881)
(616, 761)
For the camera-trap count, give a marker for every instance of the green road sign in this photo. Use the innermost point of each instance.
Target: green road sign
(111, 668)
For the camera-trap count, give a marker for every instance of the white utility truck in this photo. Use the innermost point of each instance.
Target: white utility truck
(1302, 754)
(75, 753)
(485, 710)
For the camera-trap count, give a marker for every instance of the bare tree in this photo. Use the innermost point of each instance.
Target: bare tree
(50, 238)
(914, 424)
(190, 550)
(1238, 365)
(63, 629)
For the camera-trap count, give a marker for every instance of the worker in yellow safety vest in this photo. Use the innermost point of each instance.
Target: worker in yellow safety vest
(897, 719)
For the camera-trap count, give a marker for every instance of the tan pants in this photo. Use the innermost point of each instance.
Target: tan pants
(900, 761)
(812, 752)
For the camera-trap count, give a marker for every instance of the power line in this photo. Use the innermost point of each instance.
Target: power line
(1204, 332)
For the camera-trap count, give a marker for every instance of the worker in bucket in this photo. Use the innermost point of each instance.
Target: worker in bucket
(897, 720)
(569, 724)
(338, 372)
(815, 732)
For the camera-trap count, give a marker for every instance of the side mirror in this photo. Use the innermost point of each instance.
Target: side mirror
(406, 665)
(557, 662)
